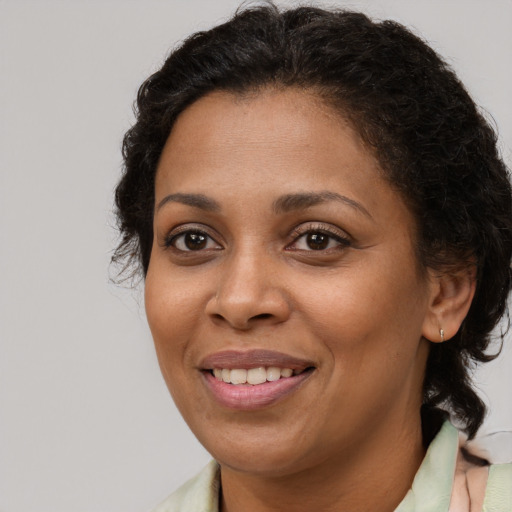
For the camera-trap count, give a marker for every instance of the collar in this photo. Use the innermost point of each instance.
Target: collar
(432, 486)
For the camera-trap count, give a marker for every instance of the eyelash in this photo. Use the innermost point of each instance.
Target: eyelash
(297, 234)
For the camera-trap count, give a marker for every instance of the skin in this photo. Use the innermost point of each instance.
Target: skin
(360, 310)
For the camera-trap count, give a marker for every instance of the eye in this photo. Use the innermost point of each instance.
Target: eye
(315, 238)
(192, 240)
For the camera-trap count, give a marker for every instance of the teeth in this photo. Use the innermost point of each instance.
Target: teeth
(256, 376)
(273, 373)
(253, 376)
(238, 376)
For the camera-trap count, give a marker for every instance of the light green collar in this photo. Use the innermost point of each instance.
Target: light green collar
(432, 485)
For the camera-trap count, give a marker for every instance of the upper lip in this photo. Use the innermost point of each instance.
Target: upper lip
(253, 359)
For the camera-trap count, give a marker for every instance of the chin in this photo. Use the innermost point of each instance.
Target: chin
(269, 461)
(261, 449)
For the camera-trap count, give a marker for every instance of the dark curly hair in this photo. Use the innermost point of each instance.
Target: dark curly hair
(407, 106)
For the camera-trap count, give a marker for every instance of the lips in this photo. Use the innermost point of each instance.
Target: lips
(253, 379)
(253, 359)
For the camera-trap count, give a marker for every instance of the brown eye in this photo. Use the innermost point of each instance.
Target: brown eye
(317, 241)
(321, 239)
(195, 241)
(192, 241)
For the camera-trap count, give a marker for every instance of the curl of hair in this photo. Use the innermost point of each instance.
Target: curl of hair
(411, 111)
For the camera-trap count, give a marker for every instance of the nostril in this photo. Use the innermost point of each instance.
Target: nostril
(262, 316)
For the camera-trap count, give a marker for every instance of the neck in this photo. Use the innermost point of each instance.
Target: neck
(375, 475)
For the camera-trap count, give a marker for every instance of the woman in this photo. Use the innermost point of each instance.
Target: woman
(324, 226)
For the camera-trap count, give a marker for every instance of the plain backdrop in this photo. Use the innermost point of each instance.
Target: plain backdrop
(86, 423)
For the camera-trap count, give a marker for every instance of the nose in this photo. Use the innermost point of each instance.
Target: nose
(248, 293)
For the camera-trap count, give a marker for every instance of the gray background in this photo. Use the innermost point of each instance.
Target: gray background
(86, 423)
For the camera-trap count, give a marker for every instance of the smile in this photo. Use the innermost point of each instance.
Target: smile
(253, 379)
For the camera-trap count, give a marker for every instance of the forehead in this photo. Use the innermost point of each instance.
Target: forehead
(263, 132)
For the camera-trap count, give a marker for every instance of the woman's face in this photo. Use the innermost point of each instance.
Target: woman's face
(279, 248)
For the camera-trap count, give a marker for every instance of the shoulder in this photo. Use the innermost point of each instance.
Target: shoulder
(199, 494)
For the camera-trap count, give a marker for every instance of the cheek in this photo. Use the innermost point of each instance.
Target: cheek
(171, 311)
(372, 335)
(370, 318)
(359, 301)
(171, 318)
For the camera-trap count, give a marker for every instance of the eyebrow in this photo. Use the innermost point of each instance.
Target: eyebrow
(304, 200)
(196, 200)
(283, 204)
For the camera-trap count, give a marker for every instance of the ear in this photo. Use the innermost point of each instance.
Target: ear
(449, 302)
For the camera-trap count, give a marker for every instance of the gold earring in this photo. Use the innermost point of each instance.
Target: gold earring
(441, 333)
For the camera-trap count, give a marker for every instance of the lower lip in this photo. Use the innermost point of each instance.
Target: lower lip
(247, 397)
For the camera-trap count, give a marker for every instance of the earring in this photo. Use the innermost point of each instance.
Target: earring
(441, 333)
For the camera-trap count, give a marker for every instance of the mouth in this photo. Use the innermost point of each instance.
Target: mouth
(254, 379)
